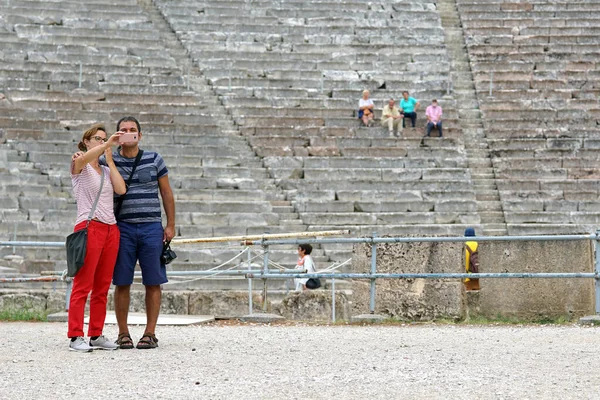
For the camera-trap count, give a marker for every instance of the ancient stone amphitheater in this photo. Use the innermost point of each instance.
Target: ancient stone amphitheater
(252, 103)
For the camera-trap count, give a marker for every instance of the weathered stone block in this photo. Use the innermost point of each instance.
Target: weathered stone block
(56, 302)
(314, 305)
(532, 298)
(171, 303)
(414, 299)
(224, 304)
(22, 302)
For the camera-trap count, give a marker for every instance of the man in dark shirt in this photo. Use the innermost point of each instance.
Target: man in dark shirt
(142, 234)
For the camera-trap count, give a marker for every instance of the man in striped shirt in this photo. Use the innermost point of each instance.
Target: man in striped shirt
(142, 235)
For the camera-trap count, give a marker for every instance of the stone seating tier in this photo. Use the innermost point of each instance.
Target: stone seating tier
(408, 218)
(105, 69)
(121, 89)
(540, 123)
(404, 198)
(455, 229)
(283, 69)
(224, 69)
(369, 185)
(115, 76)
(549, 229)
(321, 53)
(267, 7)
(550, 203)
(425, 83)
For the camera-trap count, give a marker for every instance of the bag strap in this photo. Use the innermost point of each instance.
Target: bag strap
(471, 251)
(97, 197)
(122, 197)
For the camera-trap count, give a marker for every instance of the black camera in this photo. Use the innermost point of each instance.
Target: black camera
(167, 255)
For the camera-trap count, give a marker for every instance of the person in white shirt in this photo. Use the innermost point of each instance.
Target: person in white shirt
(365, 108)
(305, 264)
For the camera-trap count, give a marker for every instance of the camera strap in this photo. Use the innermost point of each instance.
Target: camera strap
(122, 197)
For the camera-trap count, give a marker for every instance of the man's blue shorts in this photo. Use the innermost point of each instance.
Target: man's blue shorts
(143, 242)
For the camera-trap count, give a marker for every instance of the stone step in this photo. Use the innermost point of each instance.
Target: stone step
(482, 175)
(478, 165)
(482, 154)
(283, 209)
(488, 217)
(487, 195)
(489, 185)
(489, 205)
(495, 232)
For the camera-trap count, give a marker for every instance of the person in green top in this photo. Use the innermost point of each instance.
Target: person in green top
(409, 106)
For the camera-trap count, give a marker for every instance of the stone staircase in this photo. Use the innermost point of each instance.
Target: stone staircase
(220, 184)
(288, 221)
(541, 122)
(256, 116)
(291, 77)
(489, 206)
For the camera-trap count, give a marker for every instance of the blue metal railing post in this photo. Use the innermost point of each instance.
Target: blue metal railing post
(333, 300)
(68, 294)
(597, 270)
(249, 283)
(373, 271)
(265, 271)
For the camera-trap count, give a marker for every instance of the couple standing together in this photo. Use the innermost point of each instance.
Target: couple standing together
(122, 189)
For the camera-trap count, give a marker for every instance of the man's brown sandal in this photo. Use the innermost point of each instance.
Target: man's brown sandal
(124, 341)
(148, 341)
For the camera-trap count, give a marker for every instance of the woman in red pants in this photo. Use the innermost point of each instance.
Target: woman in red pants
(103, 236)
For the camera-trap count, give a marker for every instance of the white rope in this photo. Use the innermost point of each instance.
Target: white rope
(257, 254)
(204, 277)
(227, 262)
(333, 267)
(271, 262)
(212, 275)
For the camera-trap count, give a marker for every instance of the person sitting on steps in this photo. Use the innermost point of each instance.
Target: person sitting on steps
(391, 117)
(434, 118)
(305, 263)
(409, 106)
(365, 108)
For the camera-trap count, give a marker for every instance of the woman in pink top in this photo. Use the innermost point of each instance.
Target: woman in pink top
(103, 236)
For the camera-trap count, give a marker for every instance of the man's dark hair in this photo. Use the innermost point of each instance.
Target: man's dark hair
(434, 101)
(406, 91)
(306, 247)
(127, 119)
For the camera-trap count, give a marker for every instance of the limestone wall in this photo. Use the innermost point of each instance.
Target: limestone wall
(420, 299)
(531, 298)
(413, 299)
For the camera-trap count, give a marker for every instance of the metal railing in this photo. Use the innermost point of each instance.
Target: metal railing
(265, 273)
(244, 268)
(373, 275)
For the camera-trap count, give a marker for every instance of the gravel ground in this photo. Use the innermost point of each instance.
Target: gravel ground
(295, 361)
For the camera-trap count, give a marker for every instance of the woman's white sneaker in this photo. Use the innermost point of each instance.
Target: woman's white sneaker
(102, 343)
(79, 344)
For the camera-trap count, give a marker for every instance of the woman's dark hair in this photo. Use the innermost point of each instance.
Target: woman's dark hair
(306, 247)
(87, 135)
(127, 119)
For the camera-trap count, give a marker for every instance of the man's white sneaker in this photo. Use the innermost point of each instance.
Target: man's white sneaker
(79, 344)
(103, 343)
